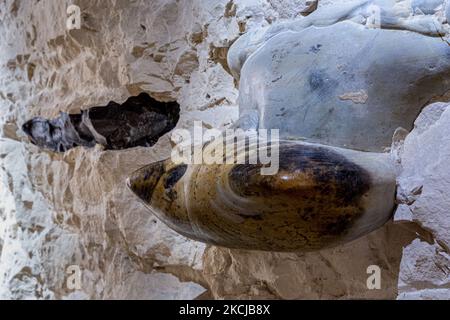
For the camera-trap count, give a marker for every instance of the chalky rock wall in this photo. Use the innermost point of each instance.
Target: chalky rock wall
(73, 209)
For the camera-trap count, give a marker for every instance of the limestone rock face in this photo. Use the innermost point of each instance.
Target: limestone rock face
(58, 211)
(338, 273)
(423, 196)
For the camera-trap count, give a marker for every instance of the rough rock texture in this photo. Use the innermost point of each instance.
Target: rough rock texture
(338, 273)
(74, 209)
(423, 196)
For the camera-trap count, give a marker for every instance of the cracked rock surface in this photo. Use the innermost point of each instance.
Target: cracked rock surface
(60, 210)
(423, 187)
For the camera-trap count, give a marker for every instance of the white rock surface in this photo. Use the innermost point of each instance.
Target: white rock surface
(423, 186)
(73, 209)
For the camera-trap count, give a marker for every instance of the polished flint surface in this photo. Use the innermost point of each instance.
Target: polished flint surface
(343, 85)
(321, 197)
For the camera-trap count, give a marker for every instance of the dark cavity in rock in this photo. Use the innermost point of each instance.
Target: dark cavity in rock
(139, 121)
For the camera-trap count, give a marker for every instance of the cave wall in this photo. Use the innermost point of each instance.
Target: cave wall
(59, 210)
